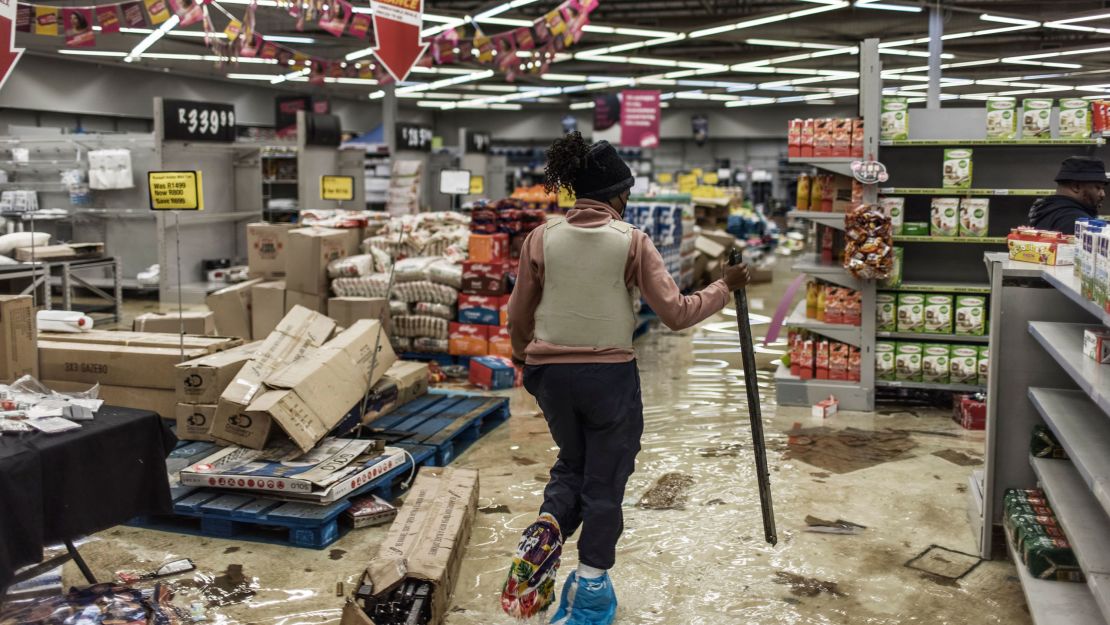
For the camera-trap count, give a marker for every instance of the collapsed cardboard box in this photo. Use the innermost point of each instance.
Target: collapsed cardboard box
(311, 395)
(18, 346)
(232, 307)
(157, 400)
(197, 323)
(266, 245)
(403, 382)
(267, 308)
(425, 543)
(318, 303)
(347, 310)
(202, 380)
(298, 332)
(721, 238)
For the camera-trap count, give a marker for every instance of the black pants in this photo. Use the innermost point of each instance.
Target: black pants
(596, 417)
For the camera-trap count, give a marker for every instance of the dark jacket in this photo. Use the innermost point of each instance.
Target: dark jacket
(1058, 213)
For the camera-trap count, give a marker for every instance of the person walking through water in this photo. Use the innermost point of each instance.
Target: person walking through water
(571, 319)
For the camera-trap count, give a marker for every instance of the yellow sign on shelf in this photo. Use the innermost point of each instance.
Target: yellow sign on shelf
(477, 185)
(175, 190)
(687, 183)
(337, 188)
(697, 171)
(710, 178)
(664, 178)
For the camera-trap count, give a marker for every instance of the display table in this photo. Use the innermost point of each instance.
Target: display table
(56, 488)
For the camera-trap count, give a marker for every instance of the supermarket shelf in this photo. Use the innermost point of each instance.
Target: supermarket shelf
(278, 181)
(837, 164)
(839, 331)
(836, 274)
(1085, 523)
(941, 287)
(1055, 603)
(832, 220)
(910, 143)
(1064, 342)
(1084, 431)
(1065, 281)
(908, 238)
(794, 391)
(932, 386)
(962, 192)
(923, 336)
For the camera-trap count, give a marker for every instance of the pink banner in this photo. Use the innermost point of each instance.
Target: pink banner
(78, 25)
(640, 119)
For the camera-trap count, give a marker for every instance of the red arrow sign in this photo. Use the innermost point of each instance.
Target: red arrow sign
(9, 54)
(397, 25)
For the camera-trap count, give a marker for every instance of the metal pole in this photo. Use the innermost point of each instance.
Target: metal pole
(180, 308)
(389, 118)
(936, 46)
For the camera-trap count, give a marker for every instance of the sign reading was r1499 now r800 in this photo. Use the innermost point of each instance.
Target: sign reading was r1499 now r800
(338, 188)
(176, 190)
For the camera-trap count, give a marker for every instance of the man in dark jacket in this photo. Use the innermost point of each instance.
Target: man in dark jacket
(1080, 189)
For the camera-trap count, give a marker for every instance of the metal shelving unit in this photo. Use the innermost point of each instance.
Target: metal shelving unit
(906, 238)
(839, 331)
(922, 336)
(963, 288)
(964, 192)
(837, 164)
(931, 386)
(830, 220)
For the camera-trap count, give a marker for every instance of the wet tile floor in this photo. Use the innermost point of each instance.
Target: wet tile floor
(901, 472)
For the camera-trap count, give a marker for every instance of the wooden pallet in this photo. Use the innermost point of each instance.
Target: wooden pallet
(450, 423)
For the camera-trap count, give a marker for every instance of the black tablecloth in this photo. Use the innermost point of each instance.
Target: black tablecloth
(56, 487)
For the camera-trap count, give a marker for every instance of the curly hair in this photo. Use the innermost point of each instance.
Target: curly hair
(566, 158)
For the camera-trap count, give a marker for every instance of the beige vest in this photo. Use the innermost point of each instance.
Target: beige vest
(585, 301)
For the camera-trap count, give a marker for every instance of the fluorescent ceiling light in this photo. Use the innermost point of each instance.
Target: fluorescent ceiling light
(446, 82)
(288, 39)
(152, 38)
(782, 43)
(871, 4)
(266, 77)
(769, 19)
(1002, 19)
(578, 106)
(92, 53)
(1020, 61)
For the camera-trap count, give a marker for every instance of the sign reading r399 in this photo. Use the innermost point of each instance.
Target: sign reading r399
(189, 120)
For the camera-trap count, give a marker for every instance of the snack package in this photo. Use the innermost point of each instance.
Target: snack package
(895, 119)
(842, 137)
(894, 280)
(907, 362)
(886, 318)
(945, 220)
(1002, 118)
(911, 312)
(971, 315)
(838, 361)
(934, 363)
(812, 289)
(1096, 345)
(852, 308)
(974, 216)
(805, 367)
(868, 250)
(884, 360)
(806, 145)
(834, 304)
(1075, 119)
(984, 364)
(938, 314)
(957, 168)
(822, 137)
(821, 360)
(964, 362)
(894, 207)
(1036, 119)
(1045, 445)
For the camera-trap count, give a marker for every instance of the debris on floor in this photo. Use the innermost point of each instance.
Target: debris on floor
(839, 526)
(668, 493)
(849, 449)
(943, 562)
(174, 567)
(724, 450)
(498, 509)
(958, 457)
(231, 587)
(807, 586)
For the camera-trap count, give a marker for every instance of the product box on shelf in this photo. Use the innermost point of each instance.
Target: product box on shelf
(794, 138)
(1086, 254)
(974, 216)
(1041, 246)
(489, 248)
(485, 278)
(938, 314)
(468, 339)
(838, 361)
(805, 362)
(971, 315)
(857, 138)
(907, 362)
(480, 309)
(821, 359)
(852, 309)
(984, 364)
(894, 207)
(911, 312)
(854, 360)
(964, 361)
(894, 279)
(1096, 345)
(842, 137)
(266, 247)
(957, 168)
(492, 373)
(1101, 280)
(1036, 119)
(1075, 119)
(833, 305)
(822, 137)
(267, 308)
(309, 250)
(895, 119)
(886, 317)
(1002, 118)
(934, 363)
(806, 141)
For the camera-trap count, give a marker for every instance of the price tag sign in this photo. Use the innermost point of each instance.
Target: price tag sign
(176, 190)
(188, 120)
(477, 185)
(413, 137)
(711, 178)
(664, 178)
(869, 172)
(337, 188)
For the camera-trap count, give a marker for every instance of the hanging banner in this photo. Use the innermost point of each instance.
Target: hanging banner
(360, 25)
(46, 21)
(700, 125)
(607, 111)
(108, 18)
(188, 11)
(78, 27)
(397, 26)
(175, 190)
(9, 54)
(335, 18)
(156, 9)
(133, 14)
(640, 119)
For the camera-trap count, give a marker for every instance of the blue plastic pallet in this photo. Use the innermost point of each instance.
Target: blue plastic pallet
(448, 423)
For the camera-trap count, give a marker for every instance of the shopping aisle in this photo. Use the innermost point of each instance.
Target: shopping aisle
(704, 563)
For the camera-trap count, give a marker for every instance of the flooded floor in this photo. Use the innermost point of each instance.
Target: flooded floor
(699, 556)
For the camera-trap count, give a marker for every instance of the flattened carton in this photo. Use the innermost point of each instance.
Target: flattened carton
(425, 542)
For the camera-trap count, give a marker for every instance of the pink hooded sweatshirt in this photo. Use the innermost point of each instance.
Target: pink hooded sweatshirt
(645, 269)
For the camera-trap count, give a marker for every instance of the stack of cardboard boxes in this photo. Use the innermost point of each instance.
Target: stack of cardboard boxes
(200, 382)
(482, 327)
(195, 323)
(18, 345)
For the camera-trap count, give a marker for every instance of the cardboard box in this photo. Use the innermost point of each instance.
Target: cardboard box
(806, 144)
(196, 323)
(267, 308)
(352, 241)
(911, 312)
(468, 339)
(266, 249)
(1033, 246)
(310, 251)
(907, 362)
(938, 314)
(316, 303)
(710, 248)
(489, 248)
(193, 421)
(61, 251)
(18, 344)
(895, 208)
(884, 360)
(161, 402)
(503, 309)
(203, 380)
(403, 382)
(480, 309)
(492, 373)
(964, 360)
(934, 363)
(501, 342)
(971, 315)
(426, 541)
(1096, 345)
(116, 365)
(347, 310)
(206, 344)
(309, 396)
(232, 307)
(825, 408)
(485, 278)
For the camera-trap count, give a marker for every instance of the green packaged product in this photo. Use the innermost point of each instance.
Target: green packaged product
(1045, 445)
(957, 168)
(884, 360)
(934, 363)
(907, 362)
(916, 228)
(894, 120)
(1032, 496)
(911, 312)
(894, 280)
(1001, 118)
(1036, 116)
(885, 312)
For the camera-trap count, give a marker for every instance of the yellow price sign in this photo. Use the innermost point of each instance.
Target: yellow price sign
(697, 171)
(711, 178)
(175, 190)
(477, 185)
(337, 188)
(687, 182)
(664, 178)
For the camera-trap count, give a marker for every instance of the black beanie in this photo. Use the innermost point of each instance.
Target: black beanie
(603, 175)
